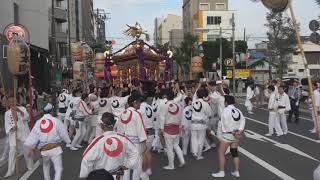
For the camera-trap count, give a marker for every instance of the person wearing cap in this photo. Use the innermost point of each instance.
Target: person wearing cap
(17, 129)
(47, 135)
(132, 125)
(294, 95)
(232, 126)
(109, 151)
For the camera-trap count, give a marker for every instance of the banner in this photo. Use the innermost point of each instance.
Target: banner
(240, 73)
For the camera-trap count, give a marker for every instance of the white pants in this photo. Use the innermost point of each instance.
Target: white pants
(197, 141)
(283, 120)
(274, 123)
(5, 154)
(316, 173)
(185, 141)
(156, 144)
(88, 132)
(57, 164)
(138, 170)
(172, 143)
(80, 133)
(248, 104)
(12, 158)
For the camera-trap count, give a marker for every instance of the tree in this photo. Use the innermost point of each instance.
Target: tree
(318, 2)
(282, 40)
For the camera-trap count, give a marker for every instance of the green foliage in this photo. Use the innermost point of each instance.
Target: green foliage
(282, 41)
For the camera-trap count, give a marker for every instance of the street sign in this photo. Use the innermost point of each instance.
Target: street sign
(314, 25)
(240, 73)
(315, 37)
(228, 62)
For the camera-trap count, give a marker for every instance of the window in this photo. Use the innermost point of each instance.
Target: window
(290, 70)
(220, 7)
(214, 20)
(212, 37)
(204, 7)
(301, 70)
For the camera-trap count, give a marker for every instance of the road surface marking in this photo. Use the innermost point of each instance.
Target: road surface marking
(266, 165)
(287, 147)
(301, 136)
(29, 173)
(268, 111)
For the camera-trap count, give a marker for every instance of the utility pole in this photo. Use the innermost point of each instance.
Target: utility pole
(53, 53)
(69, 32)
(220, 59)
(234, 55)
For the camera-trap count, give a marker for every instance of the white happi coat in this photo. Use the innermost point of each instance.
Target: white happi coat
(131, 124)
(22, 125)
(283, 101)
(82, 110)
(155, 109)
(158, 109)
(64, 99)
(93, 119)
(48, 130)
(170, 118)
(104, 106)
(109, 151)
(200, 115)
(250, 94)
(187, 117)
(232, 119)
(147, 114)
(72, 106)
(273, 103)
(118, 105)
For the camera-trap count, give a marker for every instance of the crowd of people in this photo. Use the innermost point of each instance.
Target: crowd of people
(120, 127)
(281, 100)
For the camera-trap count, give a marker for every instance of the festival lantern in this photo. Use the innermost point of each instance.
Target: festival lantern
(114, 71)
(197, 64)
(276, 5)
(18, 53)
(99, 62)
(86, 52)
(76, 51)
(78, 68)
(99, 75)
(162, 65)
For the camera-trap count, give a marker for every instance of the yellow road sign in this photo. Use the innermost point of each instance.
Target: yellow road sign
(240, 73)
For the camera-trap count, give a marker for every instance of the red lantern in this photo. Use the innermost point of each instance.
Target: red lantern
(114, 71)
(99, 75)
(99, 62)
(76, 51)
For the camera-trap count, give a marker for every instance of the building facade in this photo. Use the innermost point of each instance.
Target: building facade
(175, 37)
(85, 25)
(312, 52)
(163, 29)
(205, 17)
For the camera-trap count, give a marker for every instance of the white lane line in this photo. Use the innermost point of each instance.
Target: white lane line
(29, 173)
(268, 111)
(301, 136)
(265, 165)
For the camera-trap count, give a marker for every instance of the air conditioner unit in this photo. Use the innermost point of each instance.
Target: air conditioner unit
(4, 51)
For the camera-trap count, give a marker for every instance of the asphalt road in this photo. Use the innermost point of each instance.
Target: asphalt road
(293, 156)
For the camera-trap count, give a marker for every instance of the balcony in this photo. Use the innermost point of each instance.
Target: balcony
(61, 37)
(61, 15)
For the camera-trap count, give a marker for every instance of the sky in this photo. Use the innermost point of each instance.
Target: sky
(250, 15)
